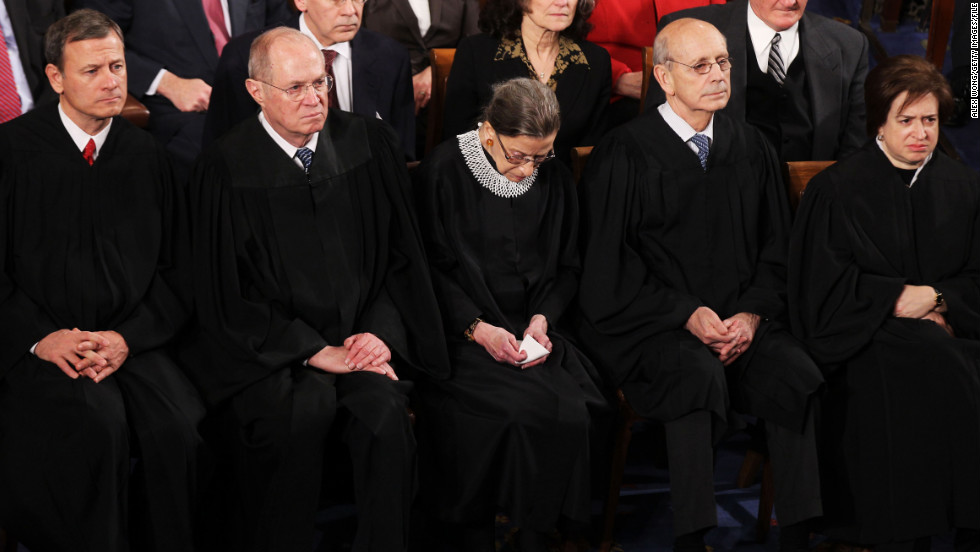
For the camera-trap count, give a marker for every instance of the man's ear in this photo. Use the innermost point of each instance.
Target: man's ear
(664, 78)
(55, 78)
(255, 90)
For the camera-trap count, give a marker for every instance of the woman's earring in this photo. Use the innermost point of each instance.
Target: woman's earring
(489, 142)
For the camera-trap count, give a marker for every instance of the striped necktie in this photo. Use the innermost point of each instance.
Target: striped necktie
(776, 68)
(9, 98)
(306, 156)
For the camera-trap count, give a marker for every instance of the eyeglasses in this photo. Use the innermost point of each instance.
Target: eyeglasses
(704, 67)
(340, 3)
(297, 92)
(523, 160)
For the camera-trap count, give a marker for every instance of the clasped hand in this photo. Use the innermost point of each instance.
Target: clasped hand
(729, 338)
(95, 355)
(363, 351)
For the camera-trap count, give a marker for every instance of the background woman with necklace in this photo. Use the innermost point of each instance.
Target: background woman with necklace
(541, 39)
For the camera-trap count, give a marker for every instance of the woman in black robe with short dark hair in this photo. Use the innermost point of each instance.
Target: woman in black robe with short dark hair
(885, 291)
(500, 229)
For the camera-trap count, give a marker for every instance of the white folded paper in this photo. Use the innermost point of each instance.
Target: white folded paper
(534, 349)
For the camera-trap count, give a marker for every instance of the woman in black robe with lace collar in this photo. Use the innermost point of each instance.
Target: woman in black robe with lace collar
(500, 227)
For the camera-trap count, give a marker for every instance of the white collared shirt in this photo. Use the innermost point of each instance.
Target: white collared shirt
(286, 146)
(16, 67)
(341, 65)
(80, 137)
(421, 9)
(762, 34)
(684, 130)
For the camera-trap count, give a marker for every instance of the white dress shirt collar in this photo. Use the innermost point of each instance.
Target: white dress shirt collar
(286, 146)
(789, 45)
(684, 130)
(80, 137)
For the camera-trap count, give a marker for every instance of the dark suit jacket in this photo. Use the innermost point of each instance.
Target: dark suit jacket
(582, 91)
(380, 71)
(451, 20)
(174, 34)
(836, 64)
(30, 19)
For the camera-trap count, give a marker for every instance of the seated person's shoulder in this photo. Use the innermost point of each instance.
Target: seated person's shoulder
(379, 44)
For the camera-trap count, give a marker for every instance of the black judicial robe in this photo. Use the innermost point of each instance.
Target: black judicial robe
(904, 403)
(99, 248)
(663, 237)
(285, 266)
(88, 247)
(494, 435)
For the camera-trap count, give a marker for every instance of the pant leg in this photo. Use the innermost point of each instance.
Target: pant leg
(691, 459)
(278, 428)
(378, 433)
(164, 411)
(64, 465)
(778, 385)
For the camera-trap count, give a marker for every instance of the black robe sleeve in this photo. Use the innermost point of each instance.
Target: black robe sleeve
(619, 295)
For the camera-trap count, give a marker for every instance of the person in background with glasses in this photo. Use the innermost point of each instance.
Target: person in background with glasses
(372, 74)
(797, 76)
(314, 304)
(685, 228)
(510, 431)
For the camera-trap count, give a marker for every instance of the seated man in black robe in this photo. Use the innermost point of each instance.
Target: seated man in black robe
(311, 284)
(683, 284)
(90, 299)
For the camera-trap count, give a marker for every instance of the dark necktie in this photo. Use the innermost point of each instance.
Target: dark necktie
(328, 57)
(89, 152)
(306, 156)
(776, 68)
(216, 21)
(701, 141)
(9, 98)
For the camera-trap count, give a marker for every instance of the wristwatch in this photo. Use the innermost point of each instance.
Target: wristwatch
(469, 331)
(939, 299)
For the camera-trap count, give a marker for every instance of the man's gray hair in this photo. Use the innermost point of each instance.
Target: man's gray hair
(523, 107)
(84, 24)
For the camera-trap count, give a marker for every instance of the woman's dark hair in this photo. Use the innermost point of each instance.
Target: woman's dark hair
(523, 107)
(84, 24)
(502, 18)
(905, 73)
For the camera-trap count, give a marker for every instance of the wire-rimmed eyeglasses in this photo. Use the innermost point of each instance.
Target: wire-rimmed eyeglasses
(704, 67)
(297, 92)
(523, 160)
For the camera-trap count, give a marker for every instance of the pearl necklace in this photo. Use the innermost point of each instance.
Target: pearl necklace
(484, 172)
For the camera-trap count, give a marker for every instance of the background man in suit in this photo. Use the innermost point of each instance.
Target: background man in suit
(419, 26)
(814, 109)
(22, 83)
(91, 298)
(172, 49)
(371, 72)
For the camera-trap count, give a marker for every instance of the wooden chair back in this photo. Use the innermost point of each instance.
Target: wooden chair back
(797, 175)
(580, 156)
(441, 60)
(135, 112)
(647, 74)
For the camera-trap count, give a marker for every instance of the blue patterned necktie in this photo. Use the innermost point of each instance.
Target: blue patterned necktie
(306, 156)
(701, 141)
